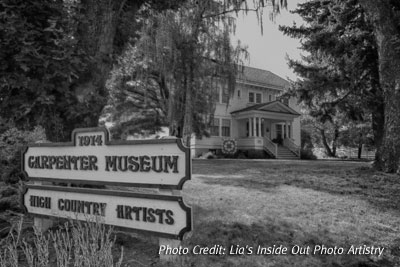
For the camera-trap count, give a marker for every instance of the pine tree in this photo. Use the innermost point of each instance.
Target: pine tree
(340, 74)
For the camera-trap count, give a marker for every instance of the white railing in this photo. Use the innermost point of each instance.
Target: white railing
(271, 147)
(291, 146)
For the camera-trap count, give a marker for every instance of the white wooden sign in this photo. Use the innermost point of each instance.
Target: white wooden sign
(92, 158)
(162, 215)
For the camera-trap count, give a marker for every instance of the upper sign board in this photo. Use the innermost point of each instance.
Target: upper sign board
(92, 158)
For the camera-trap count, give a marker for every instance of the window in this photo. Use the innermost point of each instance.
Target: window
(226, 127)
(214, 129)
(251, 97)
(285, 101)
(269, 98)
(225, 96)
(238, 93)
(258, 98)
(216, 95)
(255, 97)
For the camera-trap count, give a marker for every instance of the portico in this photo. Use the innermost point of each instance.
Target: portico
(259, 124)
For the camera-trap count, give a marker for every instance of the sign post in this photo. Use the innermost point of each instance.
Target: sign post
(91, 158)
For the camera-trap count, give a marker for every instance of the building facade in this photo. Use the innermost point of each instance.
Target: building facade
(255, 118)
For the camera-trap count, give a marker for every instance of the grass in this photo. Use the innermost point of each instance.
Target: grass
(249, 203)
(293, 203)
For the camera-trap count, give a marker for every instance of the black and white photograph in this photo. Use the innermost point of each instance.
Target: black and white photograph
(199, 133)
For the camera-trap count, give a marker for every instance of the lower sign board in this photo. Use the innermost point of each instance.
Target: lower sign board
(161, 215)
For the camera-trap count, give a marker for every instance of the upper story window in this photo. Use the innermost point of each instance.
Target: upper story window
(285, 101)
(255, 97)
(238, 94)
(251, 97)
(225, 96)
(258, 98)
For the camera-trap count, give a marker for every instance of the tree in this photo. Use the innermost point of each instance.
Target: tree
(57, 55)
(171, 75)
(39, 59)
(385, 17)
(102, 29)
(357, 135)
(340, 75)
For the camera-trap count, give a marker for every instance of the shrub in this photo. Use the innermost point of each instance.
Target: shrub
(76, 244)
(12, 142)
(307, 154)
(278, 140)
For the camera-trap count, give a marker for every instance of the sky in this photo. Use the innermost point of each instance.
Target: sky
(269, 50)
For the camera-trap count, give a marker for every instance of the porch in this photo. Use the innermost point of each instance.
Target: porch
(268, 127)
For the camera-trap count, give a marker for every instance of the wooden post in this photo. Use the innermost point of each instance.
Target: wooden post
(42, 224)
(172, 243)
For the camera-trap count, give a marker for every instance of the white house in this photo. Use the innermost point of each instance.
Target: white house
(254, 117)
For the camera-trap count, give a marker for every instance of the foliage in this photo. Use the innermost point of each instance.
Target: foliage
(77, 243)
(356, 135)
(55, 56)
(306, 139)
(12, 141)
(324, 134)
(307, 153)
(340, 75)
(39, 60)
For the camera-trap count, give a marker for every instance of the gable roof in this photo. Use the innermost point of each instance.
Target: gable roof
(261, 77)
(274, 106)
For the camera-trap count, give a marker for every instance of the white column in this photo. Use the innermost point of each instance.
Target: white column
(286, 129)
(249, 127)
(254, 126)
(259, 126)
(291, 129)
(271, 129)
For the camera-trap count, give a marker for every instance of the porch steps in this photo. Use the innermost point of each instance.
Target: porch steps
(285, 153)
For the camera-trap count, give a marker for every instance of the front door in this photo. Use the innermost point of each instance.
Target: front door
(278, 131)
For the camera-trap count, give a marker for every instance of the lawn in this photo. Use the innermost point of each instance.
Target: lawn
(293, 203)
(289, 204)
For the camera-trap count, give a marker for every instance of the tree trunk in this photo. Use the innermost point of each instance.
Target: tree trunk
(383, 17)
(96, 34)
(378, 124)
(325, 143)
(334, 142)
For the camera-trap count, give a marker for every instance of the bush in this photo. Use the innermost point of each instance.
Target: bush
(307, 154)
(76, 244)
(278, 140)
(12, 142)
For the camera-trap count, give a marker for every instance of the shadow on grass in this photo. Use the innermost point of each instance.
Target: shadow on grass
(340, 178)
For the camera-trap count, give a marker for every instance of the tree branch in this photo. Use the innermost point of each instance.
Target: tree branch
(230, 11)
